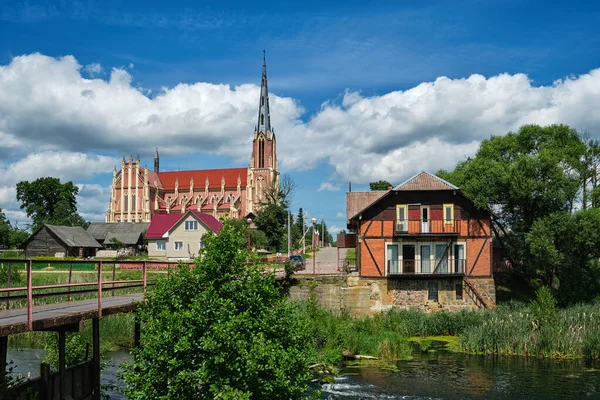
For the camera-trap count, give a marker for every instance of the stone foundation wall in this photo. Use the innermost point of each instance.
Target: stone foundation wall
(361, 296)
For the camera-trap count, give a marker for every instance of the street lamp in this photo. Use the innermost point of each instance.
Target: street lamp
(314, 223)
(248, 222)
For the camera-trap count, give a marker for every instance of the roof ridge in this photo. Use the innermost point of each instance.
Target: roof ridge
(414, 177)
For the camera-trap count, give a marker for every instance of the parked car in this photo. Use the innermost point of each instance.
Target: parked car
(297, 262)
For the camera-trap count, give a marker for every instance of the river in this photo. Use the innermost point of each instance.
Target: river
(435, 374)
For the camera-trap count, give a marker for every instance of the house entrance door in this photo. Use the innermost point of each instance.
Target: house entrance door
(408, 258)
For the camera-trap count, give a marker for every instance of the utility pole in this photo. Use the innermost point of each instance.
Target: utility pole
(322, 233)
(289, 236)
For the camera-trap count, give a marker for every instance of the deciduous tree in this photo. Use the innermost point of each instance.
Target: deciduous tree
(48, 201)
(220, 330)
(380, 185)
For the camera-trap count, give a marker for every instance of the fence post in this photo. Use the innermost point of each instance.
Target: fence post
(114, 278)
(8, 286)
(29, 297)
(70, 275)
(144, 276)
(99, 289)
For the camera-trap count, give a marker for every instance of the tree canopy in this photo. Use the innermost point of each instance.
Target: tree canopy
(380, 185)
(221, 329)
(48, 201)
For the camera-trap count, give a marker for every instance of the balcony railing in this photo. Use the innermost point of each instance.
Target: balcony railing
(426, 226)
(426, 267)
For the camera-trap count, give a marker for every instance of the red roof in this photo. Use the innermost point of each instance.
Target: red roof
(162, 223)
(214, 178)
(224, 206)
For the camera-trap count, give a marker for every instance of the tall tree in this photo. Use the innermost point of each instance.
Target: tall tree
(48, 201)
(380, 185)
(272, 219)
(5, 230)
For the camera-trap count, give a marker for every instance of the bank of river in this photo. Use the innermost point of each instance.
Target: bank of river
(431, 375)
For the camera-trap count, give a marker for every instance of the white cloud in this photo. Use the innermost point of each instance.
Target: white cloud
(340, 215)
(47, 105)
(328, 186)
(93, 69)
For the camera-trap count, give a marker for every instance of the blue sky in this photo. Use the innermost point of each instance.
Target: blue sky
(359, 88)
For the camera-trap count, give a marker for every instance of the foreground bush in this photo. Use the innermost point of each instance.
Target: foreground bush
(220, 330)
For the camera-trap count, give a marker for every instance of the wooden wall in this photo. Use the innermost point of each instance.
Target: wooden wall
(43, 243)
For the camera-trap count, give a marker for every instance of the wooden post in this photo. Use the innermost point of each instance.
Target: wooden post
(144, 276)
(114, 278)
(8, 286)
(3, 351)
(29, 297)
(45, 378)
(70, 274)
(96, 358)
(61, 364)
(99, 289)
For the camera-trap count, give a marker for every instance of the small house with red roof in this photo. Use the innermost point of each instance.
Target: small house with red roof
(425, 243)
(177, 236)
(139, 193)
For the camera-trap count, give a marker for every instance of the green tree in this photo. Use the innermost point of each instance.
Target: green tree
(220, 330)
(5, 230)
(380, 185)
(48, 201)
(17, 237)
(272, 219)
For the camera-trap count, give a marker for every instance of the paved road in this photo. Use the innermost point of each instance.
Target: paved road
(326, 261)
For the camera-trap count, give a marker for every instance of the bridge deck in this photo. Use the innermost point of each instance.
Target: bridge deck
(51, 316)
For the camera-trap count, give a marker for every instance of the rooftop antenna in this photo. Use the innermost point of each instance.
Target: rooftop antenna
(349, 186)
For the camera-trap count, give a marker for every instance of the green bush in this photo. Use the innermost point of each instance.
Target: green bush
(220, 330)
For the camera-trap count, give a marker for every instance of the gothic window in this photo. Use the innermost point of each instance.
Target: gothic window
(214, 198)
(261, 153)
(126, 205)
(133, 205)
(262, 119)
(262, 100)
(229, 198)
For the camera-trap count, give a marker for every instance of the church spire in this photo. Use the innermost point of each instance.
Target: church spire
(156, 162)
(264, 116)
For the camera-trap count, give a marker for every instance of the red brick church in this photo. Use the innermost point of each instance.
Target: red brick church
(139, 193)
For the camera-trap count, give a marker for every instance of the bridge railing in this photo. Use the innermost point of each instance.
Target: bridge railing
(31, 292)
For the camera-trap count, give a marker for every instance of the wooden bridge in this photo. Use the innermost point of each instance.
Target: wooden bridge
(81, 381)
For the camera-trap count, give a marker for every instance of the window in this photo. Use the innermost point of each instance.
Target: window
(191, 225)
(125, 204)
(441, 259)
(432, 294)
(262, 119)
(133, 205)
(401, 222)
(178, 245)
(459, 291)
(425, 259)
(161, 245)
(392, 259)
(459, 258)
(448, 213)
(262, 100)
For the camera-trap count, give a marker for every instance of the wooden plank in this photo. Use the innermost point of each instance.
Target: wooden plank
(52, 315)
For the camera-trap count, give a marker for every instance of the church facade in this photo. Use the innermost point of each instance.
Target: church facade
(138, 193)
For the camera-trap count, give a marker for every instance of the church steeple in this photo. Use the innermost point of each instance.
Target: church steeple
(264, 116)
(156, 161)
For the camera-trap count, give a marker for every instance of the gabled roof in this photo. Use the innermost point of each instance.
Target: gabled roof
(425, 181)
(163, 223)
(358, 201)
(125, 232)
(214, 178)
(71, 236)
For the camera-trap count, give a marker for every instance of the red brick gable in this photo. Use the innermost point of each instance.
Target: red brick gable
(214, 178)
(425, 181)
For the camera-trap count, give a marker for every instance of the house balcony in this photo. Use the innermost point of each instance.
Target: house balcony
(438, 267)
(431, 227)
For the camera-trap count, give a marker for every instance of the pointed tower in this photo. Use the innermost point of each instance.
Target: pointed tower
(156, 161)
(264, 116)
(263, 163)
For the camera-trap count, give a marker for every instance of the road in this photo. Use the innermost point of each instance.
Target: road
(326, 261)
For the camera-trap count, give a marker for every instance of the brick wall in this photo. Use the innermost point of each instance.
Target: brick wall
(479, 248)
(372, 263)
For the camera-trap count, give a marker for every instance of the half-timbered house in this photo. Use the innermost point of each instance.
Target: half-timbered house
(431, 244)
